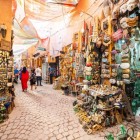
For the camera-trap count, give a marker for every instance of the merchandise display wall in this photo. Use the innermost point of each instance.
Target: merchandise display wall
(110, 48)
(6, 60)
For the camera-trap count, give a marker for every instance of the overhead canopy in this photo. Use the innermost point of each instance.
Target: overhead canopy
(36, 20)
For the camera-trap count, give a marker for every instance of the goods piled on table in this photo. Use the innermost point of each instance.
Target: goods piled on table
(101, 106)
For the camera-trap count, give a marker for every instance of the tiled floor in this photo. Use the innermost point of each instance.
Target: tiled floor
(46, 114)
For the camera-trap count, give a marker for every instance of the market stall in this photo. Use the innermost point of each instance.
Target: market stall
(6, 60)
(102, 66)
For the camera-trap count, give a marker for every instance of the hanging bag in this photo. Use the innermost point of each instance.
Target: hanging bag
(117, 35)
(125, 65)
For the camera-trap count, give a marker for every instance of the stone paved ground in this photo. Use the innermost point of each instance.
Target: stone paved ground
(45, 114)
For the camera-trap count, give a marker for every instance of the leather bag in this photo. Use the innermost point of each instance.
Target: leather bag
(126, 71)
(125, 76)
(112, 81)
(117, 35)
(132, 4)
(125, 65)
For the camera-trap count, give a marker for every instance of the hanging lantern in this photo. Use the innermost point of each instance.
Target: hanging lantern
(3, 30)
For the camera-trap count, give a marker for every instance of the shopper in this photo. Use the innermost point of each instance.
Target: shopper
(20, 72)
(51, 73)
(24, 79)
(38, 76)
(16, 74)
(33, 79)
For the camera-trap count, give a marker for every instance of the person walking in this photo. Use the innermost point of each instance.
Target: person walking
(38, 76)
(20, 72)
(24, 79)
(16, 74)
(33, 79)
(51, 74)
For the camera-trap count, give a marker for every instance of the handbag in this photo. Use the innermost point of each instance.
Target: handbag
(117, 35)
(104, 60)
(115, 13)
(106, 9)
(112, 81)
(106, 40)
(88, 77)
(105, 75)
(88, 73)
(106, 54)
(88, 68)
(124, 46)
(126, 81)
(128, 22)
(115, 65)
(114, 70)
(105, 25)
(114, 74)
(123, 8)
(114, 52)
(103, 71)
(126, 71)
(94, 81)
(123, 23)
(99, 42)
(96, 76)
(131, 4)
(9, 84)
(125, 56)
(89, 64)
(119, 83)
(125, 65)
(107, 71)
(103, 48)
(125, 76)
(126, 51)
(132, 21)
(113, 58)
(107, 66)
(124, 60)
(103, 66)
(75, 45)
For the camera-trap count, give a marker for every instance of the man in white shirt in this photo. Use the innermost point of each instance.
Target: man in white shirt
(38, 76)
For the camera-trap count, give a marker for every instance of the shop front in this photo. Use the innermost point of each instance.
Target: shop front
(101, 66)
(6, 60)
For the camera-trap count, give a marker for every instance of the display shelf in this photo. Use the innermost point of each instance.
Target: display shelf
(98, 93)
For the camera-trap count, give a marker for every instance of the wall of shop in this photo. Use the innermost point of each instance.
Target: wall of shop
(6, 16)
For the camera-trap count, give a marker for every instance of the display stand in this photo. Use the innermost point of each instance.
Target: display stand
(6, 84)
(102, 106)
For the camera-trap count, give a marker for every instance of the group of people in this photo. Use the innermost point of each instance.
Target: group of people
(34, 76)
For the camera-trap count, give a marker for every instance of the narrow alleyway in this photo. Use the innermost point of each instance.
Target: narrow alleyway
(45, 114)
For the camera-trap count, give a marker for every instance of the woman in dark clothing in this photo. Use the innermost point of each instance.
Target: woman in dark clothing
(24, 79)
(33, 79)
